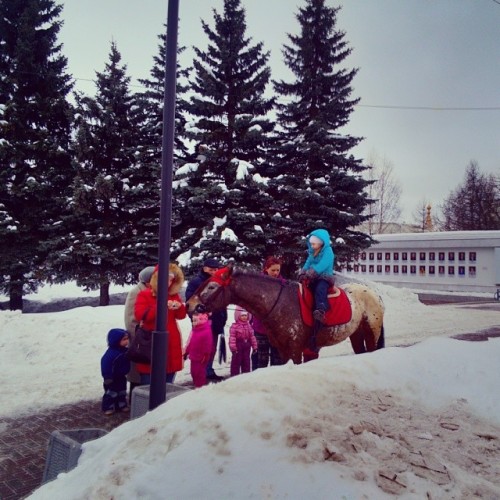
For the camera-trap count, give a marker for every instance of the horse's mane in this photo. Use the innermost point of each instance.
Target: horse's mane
(261, 276)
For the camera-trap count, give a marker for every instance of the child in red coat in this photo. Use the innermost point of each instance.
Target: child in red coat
(241, 341)
(199, 347)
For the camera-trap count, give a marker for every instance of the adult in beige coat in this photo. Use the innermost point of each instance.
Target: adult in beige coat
(130, 322)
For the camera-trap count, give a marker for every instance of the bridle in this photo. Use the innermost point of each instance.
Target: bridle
(224, 280)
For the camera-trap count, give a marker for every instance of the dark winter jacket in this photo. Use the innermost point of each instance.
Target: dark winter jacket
(114, 364)
(219, 318)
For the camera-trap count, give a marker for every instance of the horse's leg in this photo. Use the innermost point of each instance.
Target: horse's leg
(358, 341)
(381, 339)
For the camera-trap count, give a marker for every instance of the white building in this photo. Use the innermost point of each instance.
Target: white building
(446, 261)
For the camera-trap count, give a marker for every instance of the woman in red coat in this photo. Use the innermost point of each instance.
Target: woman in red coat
(145, 311)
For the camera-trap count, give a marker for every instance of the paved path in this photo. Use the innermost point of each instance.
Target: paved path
(24, 442)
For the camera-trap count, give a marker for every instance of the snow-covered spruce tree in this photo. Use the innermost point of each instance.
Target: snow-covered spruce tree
(221, 191)
(150, 151)
(316, 180)
(110, 191)
(35, 126)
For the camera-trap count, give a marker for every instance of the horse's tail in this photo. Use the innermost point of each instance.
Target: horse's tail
(381, 339)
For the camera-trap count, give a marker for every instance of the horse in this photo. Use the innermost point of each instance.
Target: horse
(276, 303)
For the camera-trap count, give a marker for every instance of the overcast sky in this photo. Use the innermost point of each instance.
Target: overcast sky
(429, 73)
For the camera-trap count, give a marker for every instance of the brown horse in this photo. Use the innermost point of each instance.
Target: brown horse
(276, 304)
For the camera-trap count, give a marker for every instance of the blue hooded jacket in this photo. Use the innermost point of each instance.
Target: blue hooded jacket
(114, 362)
(322, 263)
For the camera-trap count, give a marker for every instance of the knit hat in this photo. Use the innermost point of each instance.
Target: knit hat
(199, 318)
(315, 239)
(213, 263)
(145, 274)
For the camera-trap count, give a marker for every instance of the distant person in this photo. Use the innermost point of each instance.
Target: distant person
(145, 312)
(218, 318)
(265, 351)
(130, 322)
(114, 369)
(199, 346)
(242, 342)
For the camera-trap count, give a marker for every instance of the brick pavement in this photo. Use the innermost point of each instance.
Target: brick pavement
(24, 442)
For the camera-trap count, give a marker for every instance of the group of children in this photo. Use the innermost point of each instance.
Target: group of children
(115, 365)
(317, 272)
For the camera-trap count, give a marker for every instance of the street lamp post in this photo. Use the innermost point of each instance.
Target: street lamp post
(157, 393)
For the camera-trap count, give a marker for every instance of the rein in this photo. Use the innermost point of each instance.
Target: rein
(277, 299)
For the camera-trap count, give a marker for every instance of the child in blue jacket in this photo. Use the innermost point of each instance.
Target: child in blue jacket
(114, 368)
(318, 270)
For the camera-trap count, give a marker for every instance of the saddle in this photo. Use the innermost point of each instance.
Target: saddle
(340, 311)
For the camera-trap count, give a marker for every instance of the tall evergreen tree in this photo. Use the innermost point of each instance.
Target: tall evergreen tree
(222, 196)
(318, 183)
(152, 100)
(100, 247)
(35, 125)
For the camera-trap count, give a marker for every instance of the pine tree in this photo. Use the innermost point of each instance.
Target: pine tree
(35, 125)
(222, 196)
(152, 101)
(318, 183)
(108, 193)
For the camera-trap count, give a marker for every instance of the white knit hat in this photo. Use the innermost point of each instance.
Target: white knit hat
(314, 239)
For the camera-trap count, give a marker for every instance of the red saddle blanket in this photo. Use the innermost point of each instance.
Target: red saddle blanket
(340, 311)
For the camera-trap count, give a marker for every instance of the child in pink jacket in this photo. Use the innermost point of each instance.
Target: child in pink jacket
(241, 341)
(199, 348)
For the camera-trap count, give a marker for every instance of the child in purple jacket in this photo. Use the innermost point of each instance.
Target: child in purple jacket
(241, 341)
(199, 347)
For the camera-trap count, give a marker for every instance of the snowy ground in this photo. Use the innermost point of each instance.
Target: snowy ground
(418, 422)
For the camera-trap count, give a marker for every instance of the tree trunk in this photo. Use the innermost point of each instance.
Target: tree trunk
(16, 293)
(104, 294)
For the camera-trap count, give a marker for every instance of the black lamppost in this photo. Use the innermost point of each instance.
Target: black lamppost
(157, 393)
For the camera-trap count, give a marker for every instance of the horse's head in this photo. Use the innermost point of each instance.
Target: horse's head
(211, 292)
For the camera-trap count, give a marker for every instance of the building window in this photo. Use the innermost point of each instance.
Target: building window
(356, 268)
(461, 255)
(379, 268)
(379, 255)
(363, 268)
(413, 269)
(451, 256)
(363, 255)
(404, 269)
(461, 270)
(387, 269)
(371, 268)
(404, 256)
(441, 269)
(421, 270)
(472, 256)
(441, 256)
(432, 270)
(387, 255)
(371, 255)
(422, 256)
(396, 256)
(451, 270)
(413, 256)
(432, 256)
(395, 269)
(472, 271)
